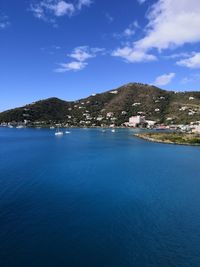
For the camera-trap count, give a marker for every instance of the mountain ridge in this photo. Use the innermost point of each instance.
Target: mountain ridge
(111, 107)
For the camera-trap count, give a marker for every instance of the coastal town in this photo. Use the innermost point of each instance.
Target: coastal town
(137, 121)
(132, 105)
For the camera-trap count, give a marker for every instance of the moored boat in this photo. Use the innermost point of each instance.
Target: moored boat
(58, 132)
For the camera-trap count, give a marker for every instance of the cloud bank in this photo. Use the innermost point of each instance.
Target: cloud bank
(171, 24)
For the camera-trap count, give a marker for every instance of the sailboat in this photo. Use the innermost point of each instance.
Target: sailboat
(58, 132)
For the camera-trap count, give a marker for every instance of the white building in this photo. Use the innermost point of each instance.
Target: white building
(169, 119)
(150, 123)
(136, 104)
(134, 121)
(109, 114)
(183, 108)
(191, 112)
(99, 118)
(196, 129)
(114, 92)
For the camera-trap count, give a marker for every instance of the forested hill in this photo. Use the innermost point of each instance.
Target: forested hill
(112, 107)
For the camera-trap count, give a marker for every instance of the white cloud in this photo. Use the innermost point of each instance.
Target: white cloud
(164, 79)
(82, 53)
(71, 66)
(192, 62)
(130, 55)
(79, 55)
(62, 8)
(129, 31)
(172, 23)
(179, 55)
(4, 22)
(82, 3)
(48, 10)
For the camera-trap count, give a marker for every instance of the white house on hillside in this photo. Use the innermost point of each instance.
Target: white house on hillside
(134, 121)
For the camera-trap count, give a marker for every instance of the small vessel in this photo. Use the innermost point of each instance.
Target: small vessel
(20, 127)
(52, 127)
(67, 132)
(113, 130)
(58, 132)
(10, 126)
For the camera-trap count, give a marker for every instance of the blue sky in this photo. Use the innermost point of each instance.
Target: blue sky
(71, 49)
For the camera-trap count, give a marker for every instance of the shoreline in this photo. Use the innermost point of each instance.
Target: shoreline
(167, 142)
(77, 127)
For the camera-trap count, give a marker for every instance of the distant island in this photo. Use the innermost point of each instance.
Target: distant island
(171, 138)
(131, 105)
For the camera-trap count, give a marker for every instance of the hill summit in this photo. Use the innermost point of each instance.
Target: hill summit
(111, 107)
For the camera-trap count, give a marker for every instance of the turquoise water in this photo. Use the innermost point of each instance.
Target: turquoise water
(97, 199)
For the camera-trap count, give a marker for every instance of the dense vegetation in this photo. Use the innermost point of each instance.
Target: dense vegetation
(129, 100)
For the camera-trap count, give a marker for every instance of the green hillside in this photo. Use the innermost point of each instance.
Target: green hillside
(112, 107)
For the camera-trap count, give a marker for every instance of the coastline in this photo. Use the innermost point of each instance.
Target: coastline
(147, 137)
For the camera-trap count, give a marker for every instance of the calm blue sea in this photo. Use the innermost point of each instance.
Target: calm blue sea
(93, 199)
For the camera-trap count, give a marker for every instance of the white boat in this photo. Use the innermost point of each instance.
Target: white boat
(113, 130)
(58, 132)
(10, 126)
(20, 127)
(52, 127)
(67, 132)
